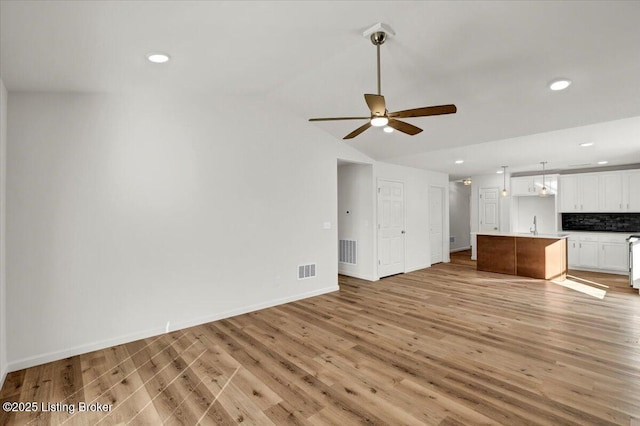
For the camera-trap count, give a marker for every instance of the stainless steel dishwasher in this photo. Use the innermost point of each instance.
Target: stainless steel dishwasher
(634, 260)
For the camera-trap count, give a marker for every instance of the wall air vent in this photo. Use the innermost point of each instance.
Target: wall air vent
(306, 271)
(348, 252)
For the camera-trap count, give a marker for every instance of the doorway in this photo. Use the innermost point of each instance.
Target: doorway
(356, 233)
(391, 233)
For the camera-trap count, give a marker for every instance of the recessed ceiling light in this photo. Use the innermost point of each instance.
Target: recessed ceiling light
(459, 161)
(603, 162)
(559, 84)
(585, 144)
(158, 58)
(500, 172)
(388, 129)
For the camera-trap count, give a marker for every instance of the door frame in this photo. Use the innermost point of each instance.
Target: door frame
(377, 226)
(443, 244)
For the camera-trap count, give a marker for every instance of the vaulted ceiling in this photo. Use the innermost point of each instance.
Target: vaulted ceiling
(494, 60)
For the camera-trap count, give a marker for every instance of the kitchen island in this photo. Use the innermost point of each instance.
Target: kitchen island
(526, 255)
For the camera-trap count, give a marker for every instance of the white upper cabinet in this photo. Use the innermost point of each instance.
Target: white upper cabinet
(569, 194)
(608, 192)
(631, 193)
(611, 190)
(531, 185)
(579, 193)
(589, 193)
(522, 186)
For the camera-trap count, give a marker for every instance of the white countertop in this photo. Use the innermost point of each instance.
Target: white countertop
(525, 235)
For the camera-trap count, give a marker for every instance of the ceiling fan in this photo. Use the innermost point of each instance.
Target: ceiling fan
(379, 114)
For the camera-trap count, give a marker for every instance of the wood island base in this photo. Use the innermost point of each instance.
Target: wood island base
(534, 257)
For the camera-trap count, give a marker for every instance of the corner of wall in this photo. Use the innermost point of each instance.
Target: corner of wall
(3, 211)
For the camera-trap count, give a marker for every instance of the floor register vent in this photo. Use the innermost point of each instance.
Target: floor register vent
(348, 252)
(306, 271)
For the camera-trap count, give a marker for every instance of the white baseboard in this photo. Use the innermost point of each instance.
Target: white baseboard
(417, 267)
(359, 276)
(252, 308)
(81, 349)
(94, 346)
(602, 271)
(459, 249)
(3, 376)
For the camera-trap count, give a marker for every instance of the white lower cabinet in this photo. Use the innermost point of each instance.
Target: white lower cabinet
(589, 254)
(614, 256)
(573, 252)
(606, 252)
(583, 252)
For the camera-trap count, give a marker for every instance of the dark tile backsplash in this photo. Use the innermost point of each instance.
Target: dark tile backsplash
(601, 222)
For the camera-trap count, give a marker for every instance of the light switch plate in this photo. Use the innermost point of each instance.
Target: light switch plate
(327, 225)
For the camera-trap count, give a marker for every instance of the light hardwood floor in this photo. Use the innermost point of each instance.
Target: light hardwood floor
(442, 346)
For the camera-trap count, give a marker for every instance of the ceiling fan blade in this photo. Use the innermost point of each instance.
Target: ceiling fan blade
(426, 111)
(376, 104)
(339, 118)
(357, 131)
(407, 128)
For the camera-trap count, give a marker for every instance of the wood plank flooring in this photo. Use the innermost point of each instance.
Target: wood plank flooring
(446, 345)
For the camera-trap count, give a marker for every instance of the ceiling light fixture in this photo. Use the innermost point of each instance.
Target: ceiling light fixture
(467, 181)
(158, 58)
(500, 171)
(504, 192)
(388, 129)
(586, 144)
(543, 190)
(379, 121)
(559, 84)
(603, 162)
(459, 161)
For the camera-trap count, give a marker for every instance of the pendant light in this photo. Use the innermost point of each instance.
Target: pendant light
(543, 190)
(504, 192)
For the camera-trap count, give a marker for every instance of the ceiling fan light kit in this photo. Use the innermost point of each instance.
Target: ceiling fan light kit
(379, 121)
(380, 116)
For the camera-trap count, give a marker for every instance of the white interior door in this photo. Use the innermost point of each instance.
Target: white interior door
(489, 210)
(436, 223)
(390, 228)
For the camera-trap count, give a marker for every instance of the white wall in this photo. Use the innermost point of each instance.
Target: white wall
(459, 215)
(356, 217)
(126, 212)
(544, 208)
(3, 286)
(416, 190)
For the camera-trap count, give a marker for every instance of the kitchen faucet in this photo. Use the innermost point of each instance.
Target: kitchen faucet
(534, 230)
